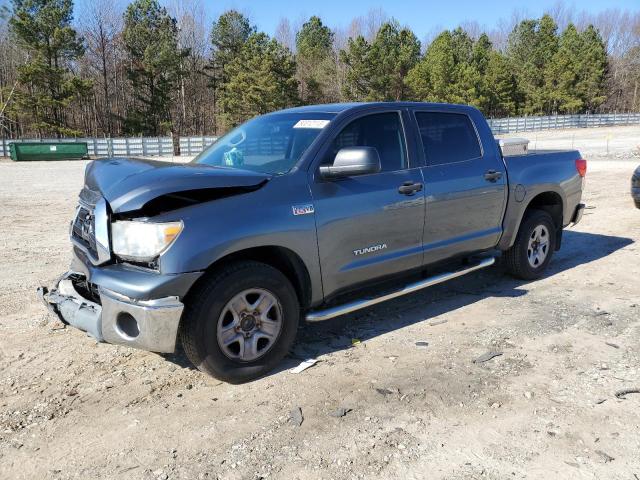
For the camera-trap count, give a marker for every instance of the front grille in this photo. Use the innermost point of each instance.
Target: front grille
(84, 228)
(85, 288)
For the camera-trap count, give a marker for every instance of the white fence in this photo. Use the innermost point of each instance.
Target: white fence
(527, 124)
(163, 146)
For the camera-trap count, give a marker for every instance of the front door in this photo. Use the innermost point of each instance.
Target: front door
(369, 226)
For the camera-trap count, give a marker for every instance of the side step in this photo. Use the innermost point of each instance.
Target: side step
(319, 315)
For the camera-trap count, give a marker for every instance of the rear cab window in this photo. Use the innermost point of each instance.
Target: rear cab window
(447, 137)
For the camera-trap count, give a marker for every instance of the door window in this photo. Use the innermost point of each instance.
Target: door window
(447, 137)
(382, 131)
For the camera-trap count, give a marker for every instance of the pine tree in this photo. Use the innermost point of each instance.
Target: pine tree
(431, 78)
(531, 47)
(47, 86)
(150, 40)
(228, 35)
(316, 62)
(444, 73)
(358, 69)
(378, 71)
(593, 59)
(521, 52)
(480, 58)
(563, 74)
(261, 79)
(501, 86)
(394, 52)
(468, 78)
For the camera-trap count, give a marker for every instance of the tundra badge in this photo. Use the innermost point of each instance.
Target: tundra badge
(371, 249)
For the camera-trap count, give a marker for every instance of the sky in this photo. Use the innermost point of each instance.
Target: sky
(423, 16)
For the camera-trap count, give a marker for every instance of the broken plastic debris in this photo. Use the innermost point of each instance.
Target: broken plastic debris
(295, 416)
(437, 322)
(340, 412)
(355, 341)
(386, 391)
(626, 391)
(605, 456)
(304, 365)
(485, 357)
(422, 344)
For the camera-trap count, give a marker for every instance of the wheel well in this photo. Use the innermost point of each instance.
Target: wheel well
(285, 260)
(551, 203)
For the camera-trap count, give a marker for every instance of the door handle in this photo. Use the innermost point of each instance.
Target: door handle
(492, 175)
(409, 188)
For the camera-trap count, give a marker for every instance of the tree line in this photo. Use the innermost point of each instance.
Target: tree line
(153, 70)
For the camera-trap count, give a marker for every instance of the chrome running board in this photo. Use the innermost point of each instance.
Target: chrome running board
(319, 315)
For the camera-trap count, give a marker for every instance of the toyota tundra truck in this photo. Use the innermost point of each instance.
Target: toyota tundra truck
(304, 214)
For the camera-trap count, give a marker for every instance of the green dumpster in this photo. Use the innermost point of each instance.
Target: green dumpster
(23, 151)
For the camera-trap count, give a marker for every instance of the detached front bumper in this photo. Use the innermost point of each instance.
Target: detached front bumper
(115, 318)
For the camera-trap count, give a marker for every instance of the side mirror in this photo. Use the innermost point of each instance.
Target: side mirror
(351, 161)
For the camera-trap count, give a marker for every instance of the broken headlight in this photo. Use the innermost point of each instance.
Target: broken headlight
(143, 241)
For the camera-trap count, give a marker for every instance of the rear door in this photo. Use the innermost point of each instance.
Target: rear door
(367, 227)
(465, 186)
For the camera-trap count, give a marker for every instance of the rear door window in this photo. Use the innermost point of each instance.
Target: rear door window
(447, 137)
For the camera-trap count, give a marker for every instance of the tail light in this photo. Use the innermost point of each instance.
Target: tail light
(581, 167)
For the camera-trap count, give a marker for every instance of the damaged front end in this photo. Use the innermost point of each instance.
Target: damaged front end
(117, 219)
(114, 318)
(70, 307)
(118, 289)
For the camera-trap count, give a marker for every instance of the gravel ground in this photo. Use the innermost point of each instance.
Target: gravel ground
(544, 408)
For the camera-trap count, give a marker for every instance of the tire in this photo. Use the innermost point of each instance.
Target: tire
(517, 258)
(211, 320)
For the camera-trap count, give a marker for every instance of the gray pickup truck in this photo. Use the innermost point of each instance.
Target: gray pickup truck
(307, 213)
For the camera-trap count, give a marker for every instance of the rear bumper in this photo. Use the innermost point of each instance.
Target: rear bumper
(577, 214)
(146, 324)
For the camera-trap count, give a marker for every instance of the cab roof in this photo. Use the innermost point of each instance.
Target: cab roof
(343, 107)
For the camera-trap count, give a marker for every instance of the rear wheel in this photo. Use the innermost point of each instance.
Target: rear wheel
(240, 321)
(535, 243)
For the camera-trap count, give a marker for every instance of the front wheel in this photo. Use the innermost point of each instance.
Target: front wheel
(240, 321)
(535, 243)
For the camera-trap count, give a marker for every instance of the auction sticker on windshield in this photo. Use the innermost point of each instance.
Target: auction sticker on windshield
(311, 124)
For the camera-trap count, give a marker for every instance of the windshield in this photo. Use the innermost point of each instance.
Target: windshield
(271, 144)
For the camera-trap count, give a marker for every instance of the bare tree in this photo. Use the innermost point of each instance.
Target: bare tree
(101, 24)
(285, 34)
(10, 58)
(500, 34)
(194, 98)
(367, 25)
(473, 28)
(373, 21)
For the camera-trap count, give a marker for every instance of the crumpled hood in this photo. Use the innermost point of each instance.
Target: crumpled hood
(129, 183)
